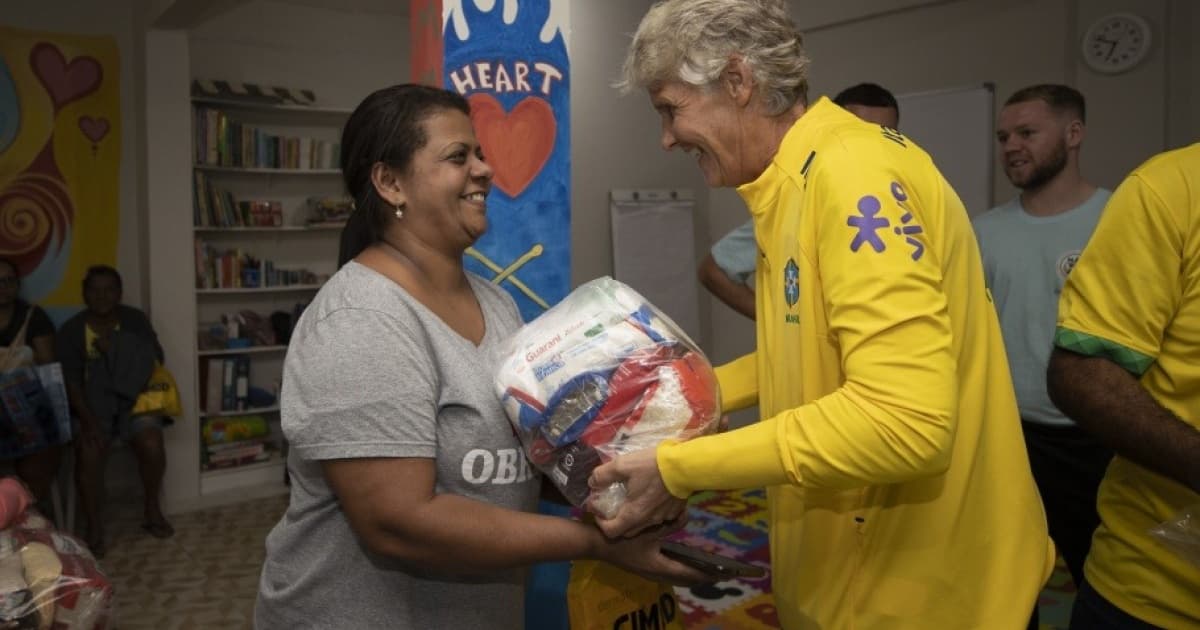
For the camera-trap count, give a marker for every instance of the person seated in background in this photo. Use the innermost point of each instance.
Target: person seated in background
(727, 271)
(26, 338)
(108, 352)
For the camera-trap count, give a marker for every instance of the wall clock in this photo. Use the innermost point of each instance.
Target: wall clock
(1116, 42)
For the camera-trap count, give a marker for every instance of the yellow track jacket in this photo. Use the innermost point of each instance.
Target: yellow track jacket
(899, 490)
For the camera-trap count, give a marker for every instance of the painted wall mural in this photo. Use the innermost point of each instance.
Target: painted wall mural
(509, 58)
(60, 156)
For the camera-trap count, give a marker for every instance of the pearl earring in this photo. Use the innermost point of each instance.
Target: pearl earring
(399, 211)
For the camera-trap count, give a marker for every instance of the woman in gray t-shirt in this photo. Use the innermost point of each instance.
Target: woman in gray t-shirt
(412, 503)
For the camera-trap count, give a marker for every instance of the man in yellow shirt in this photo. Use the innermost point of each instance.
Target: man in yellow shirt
(900, 494)
(1127, 368)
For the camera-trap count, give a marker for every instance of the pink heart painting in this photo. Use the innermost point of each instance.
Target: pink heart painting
(66, 82)
(94, 128)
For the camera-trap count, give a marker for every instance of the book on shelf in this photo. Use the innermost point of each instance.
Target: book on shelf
(236, 269)
(217, 207)
(329, 209)
(234, 462)
(223, 141)
(233, 429)
(225, 384)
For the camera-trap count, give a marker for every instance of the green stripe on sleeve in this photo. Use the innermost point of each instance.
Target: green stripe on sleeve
(1093, 346)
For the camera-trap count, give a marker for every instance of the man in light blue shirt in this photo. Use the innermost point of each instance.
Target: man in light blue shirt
(1029, 245)
(728, 269)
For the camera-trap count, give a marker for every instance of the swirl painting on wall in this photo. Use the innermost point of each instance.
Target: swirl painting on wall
(60, 156)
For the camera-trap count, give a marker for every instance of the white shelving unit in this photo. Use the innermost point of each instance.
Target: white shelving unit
(293, 245)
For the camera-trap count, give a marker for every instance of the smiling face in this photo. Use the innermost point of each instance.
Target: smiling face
(706, 124)
(1035, 142)
(444, 192)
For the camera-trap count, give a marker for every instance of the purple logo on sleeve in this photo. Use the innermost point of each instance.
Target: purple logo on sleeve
(867, 224)
(908, 230)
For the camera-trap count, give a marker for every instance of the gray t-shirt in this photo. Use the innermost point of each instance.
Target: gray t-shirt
(1026, 260)
(370, 372)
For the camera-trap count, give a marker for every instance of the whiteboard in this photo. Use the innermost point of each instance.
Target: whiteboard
(653, 245)
(956, 127)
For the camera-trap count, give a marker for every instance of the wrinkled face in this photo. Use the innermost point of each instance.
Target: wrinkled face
(445, 191)
(704, 123)
(886, 116)
(10, 285)
(1033, 141)
(102, 294)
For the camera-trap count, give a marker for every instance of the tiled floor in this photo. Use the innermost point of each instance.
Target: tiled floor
(206, 576)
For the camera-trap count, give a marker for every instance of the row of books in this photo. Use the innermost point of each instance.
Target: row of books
(225, 383)
(216, 207)
(329, 209)
(234, 440)
(236, 269)
(232, 455)
(222, 141)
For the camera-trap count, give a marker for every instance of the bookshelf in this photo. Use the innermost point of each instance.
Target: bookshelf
(256, 169)
(266, 171)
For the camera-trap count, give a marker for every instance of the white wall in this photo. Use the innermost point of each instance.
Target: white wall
(116, 19)
(342, 56)
(169, 189)
(615, 140)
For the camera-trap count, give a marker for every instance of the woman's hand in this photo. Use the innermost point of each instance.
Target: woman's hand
(640, 554)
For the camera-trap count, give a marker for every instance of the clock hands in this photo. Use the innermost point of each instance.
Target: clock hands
(1112, 46)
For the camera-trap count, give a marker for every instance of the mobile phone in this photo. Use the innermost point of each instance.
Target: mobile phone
(710, 563)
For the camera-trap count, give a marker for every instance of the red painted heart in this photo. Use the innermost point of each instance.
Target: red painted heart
(517, 143)
(64, 81)
(94, 128)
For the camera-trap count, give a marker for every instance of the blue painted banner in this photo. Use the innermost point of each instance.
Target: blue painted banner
(509, 58)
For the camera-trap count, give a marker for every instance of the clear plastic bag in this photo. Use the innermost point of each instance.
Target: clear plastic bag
(601, 374)
(49, 580)
(1182, 533)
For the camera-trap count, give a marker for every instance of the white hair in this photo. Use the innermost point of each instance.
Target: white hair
(693, 40)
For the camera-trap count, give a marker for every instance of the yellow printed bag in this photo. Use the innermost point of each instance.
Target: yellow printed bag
(161, 395)
(602, 597)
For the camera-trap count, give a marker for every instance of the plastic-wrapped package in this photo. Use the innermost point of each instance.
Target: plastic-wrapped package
(1182, 533)
(601, 374)
(49, 580)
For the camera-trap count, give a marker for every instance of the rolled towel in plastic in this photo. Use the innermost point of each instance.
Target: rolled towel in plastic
(14, 498)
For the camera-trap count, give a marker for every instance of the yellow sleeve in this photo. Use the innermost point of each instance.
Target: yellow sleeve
(1117, 305)
(893, 418)
(738, 381)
